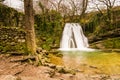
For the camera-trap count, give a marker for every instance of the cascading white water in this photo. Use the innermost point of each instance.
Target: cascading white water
(73, 38)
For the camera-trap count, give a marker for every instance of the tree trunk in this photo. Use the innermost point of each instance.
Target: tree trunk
(29, 26)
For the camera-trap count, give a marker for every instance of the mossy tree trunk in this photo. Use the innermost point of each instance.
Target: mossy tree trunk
(29, 26)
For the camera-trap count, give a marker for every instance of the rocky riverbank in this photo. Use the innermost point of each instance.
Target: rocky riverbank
(13, 69)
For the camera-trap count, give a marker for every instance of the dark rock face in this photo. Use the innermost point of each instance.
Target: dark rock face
(12, 39)
(109, 34)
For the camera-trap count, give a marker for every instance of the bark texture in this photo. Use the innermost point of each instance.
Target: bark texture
(29, 26)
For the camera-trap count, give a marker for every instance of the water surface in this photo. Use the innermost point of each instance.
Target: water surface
(95, 62)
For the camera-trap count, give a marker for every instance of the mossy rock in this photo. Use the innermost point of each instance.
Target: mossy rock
(110, 43)
(12, 40)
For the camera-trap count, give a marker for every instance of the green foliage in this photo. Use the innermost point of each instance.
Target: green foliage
(112, 43)
(1, 48)
(10, 17)
(93, 20)
(48, 22)
(46, 46)
(49, 26)
(12, 40)
(97, 23)
(15, 48)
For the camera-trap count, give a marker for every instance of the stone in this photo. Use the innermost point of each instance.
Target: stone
(8, 77)
(39, 49)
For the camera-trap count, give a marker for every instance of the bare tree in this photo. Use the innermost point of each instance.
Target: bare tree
(29, 26)
(108, 5)
(70, 7)
(84, 6)
(55, 4)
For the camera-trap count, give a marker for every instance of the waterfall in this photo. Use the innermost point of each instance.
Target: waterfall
(73, 38)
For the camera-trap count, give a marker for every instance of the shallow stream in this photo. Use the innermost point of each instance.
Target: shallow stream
(95, 62)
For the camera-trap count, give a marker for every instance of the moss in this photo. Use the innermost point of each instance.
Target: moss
(110, 43)
(55, 59)
(1, 48)
(46, 46)
(12, 40)
(10, 17)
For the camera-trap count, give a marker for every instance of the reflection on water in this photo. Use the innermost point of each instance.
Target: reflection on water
(92, 62)
(71, 60)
